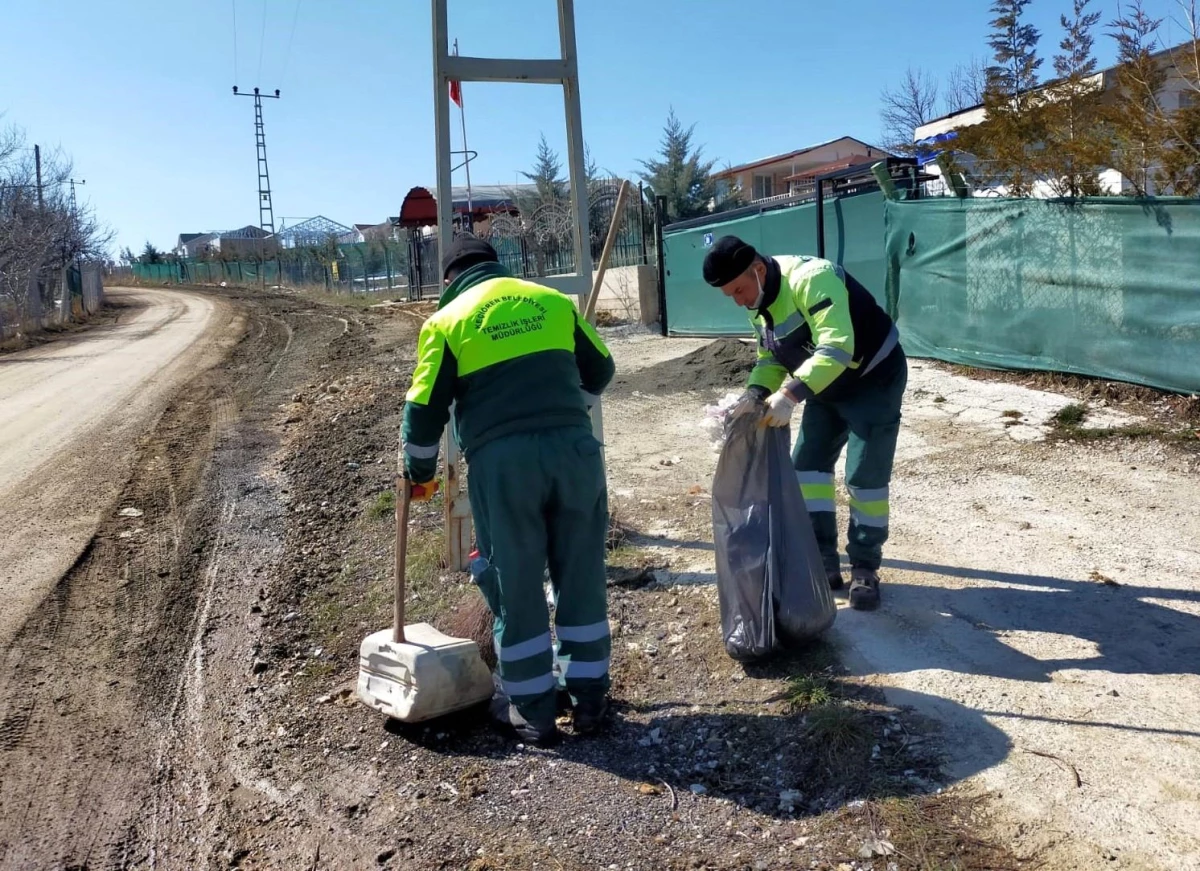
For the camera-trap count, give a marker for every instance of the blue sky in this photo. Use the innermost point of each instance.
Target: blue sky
(139, 91)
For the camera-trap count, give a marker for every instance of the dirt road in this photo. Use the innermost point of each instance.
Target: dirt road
(70, 414)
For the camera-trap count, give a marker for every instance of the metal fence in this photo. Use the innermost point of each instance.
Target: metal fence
(539, 240)
(54, 297)
(852, 226)
(533, 243)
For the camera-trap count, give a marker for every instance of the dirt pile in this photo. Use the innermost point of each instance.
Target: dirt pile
(720, 364)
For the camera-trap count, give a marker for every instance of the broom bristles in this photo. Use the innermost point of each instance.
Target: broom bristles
(473, 619)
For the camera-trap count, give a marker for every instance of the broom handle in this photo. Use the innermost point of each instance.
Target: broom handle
(404, 494)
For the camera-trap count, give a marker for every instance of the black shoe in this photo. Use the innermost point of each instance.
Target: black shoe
(504, 712)
(864, 589)
(834, 576)
(589, 717)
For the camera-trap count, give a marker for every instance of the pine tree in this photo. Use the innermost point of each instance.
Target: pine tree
(1136, 115)
(1006, 142)
(547, 174)
(1077, 145)
(680, 174)
(1015, 48)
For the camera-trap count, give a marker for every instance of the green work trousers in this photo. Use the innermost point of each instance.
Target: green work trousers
(868, 420)
(539, 500)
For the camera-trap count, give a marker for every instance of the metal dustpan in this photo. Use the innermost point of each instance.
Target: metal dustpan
(415, 673)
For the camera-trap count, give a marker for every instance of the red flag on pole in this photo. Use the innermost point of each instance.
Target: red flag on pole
(456, 92)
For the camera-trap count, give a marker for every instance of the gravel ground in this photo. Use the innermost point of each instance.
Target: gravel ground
(1041, 599)
(1009, 705)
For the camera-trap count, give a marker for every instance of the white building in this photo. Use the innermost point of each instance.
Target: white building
(1177, 93)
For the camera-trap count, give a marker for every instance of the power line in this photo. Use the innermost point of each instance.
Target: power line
(287, 54)
(233, 3)
(262, 39)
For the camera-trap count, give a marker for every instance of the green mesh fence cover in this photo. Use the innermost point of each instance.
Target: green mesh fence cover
(853, 238)
(1108, 288)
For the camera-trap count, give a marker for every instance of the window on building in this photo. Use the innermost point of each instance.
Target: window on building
(764, 186)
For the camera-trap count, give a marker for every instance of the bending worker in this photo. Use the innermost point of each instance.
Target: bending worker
(823, 333)
(523, 368)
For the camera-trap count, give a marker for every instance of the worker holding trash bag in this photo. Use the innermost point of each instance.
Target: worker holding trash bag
(823, 341)
(523, 368)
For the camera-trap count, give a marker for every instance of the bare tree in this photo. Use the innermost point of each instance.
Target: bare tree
(909, 105)
(965, 86)
(41, 229)
(1180, 170)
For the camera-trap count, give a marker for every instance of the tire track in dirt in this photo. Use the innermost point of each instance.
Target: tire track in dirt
(86, 687)
(198, 767)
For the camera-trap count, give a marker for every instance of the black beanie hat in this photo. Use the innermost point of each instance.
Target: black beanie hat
(465, 251)
(728, 259)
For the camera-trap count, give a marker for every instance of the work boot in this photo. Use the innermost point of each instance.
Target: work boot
(864, 589)
(834, 576)
(504, 712)
(589, 716)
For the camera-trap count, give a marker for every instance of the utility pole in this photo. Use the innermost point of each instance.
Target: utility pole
(75, 209)
(37, 159)
(266, 214)
(74, 203)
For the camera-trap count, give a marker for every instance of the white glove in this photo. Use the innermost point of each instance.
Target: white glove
(779, 409)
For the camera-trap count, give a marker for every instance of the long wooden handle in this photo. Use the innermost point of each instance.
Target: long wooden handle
(589, 310)
(403, 499)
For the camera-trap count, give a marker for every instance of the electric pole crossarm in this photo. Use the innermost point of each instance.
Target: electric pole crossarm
(266, 211)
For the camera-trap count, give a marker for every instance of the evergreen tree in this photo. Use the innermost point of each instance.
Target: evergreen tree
(1077, 144)
(150, 254)
(1014, 46)
(1136, 115)
(547, 174)
(1007, 141)
(680, 174)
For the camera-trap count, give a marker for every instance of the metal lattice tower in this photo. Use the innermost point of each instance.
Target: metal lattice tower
(266, 213)
(74, 202)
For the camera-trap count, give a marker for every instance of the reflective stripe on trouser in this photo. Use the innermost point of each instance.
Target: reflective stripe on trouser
(867, 424)
(583, 654)
(539, 500)
(817, 490)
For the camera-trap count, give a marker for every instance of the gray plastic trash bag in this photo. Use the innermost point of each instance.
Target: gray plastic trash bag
(770, 577)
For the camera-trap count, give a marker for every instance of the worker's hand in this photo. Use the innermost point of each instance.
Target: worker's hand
(780, 406)
(747, 404)
(422, 492)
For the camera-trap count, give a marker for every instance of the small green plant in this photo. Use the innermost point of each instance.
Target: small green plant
(383, 506)
(807, 691)
(1070, 415)
(840, 730)
(939, 399)
(1012, 413)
